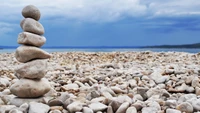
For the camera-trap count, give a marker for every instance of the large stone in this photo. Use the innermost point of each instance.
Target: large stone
(27, 38)
(31, 11)
(32, 26)
(35, 69)
(26, 53)
(28, 88)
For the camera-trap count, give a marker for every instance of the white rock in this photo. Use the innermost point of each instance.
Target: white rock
(87, 110)
(38, 108)
(97, 106)
(4, 82)
(172, 111)
(196, 104)
(75, 107)
(20, 101)
(123, 107)
(4, 108)
(15, 111)
(185, 107)
(71, 86)
(131, 110)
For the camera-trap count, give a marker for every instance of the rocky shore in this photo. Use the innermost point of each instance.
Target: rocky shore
(115, 82)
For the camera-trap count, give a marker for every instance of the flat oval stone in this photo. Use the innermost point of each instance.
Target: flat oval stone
(27, 88)
(27, 38)
(26, 53)
(31, 11)
(32, 26)
(35, 69)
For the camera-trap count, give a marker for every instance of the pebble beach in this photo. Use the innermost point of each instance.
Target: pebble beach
(109, 82)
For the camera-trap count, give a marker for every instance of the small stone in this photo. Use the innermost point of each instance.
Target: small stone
(172, 111)
(1, 102)
(195, 82)
(32, 26)
(197, 91)
(149, 110)
(71, 87)
(30, 88)
(97, 106)
(19, 101)
(35, 69)
(4, 108)
(31, 11)
(24, 107)
(139, 105)
(55, 111)
(109, 109)
(4, 82)
(185, 107)
(56, 108)
(55, 102)
(26, 53)
(38, 108)
(15, 111)
(123, 107)
(143, 92)
(7, 98)
(27, 38)
(75, 107)
(115, 105)
(87, 110)
(196, 104)
(131, 110)
(171, 103)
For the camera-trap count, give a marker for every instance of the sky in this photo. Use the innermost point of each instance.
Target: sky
(106, 22)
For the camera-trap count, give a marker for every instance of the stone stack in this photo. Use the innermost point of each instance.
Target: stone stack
(31, 83)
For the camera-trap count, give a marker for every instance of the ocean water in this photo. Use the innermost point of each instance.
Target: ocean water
(112, 50)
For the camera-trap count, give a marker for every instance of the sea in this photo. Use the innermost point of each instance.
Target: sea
(114, 50)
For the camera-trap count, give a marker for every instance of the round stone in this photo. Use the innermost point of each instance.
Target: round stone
(27, 88)
(31, 11)
(27, 38)
(32, 26)
(26, 53)
(35, 69)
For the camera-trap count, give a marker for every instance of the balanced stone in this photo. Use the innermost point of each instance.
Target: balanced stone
(27, 38)
(26, 88)
(35, 69)
(26, 53)
(31, 11)
(31, 25)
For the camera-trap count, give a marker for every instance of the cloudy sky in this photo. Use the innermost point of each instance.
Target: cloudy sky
(106, 22)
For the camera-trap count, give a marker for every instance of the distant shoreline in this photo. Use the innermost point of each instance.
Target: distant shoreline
(183, 46)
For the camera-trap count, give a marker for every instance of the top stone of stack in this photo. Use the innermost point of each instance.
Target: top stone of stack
(31, 11)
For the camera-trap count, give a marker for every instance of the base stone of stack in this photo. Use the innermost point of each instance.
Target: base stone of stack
(27, 88)
(27, 38)
(19, 101)
(35, 69)
(27, 53)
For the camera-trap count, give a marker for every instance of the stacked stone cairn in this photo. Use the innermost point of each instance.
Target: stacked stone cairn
(31, 83)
